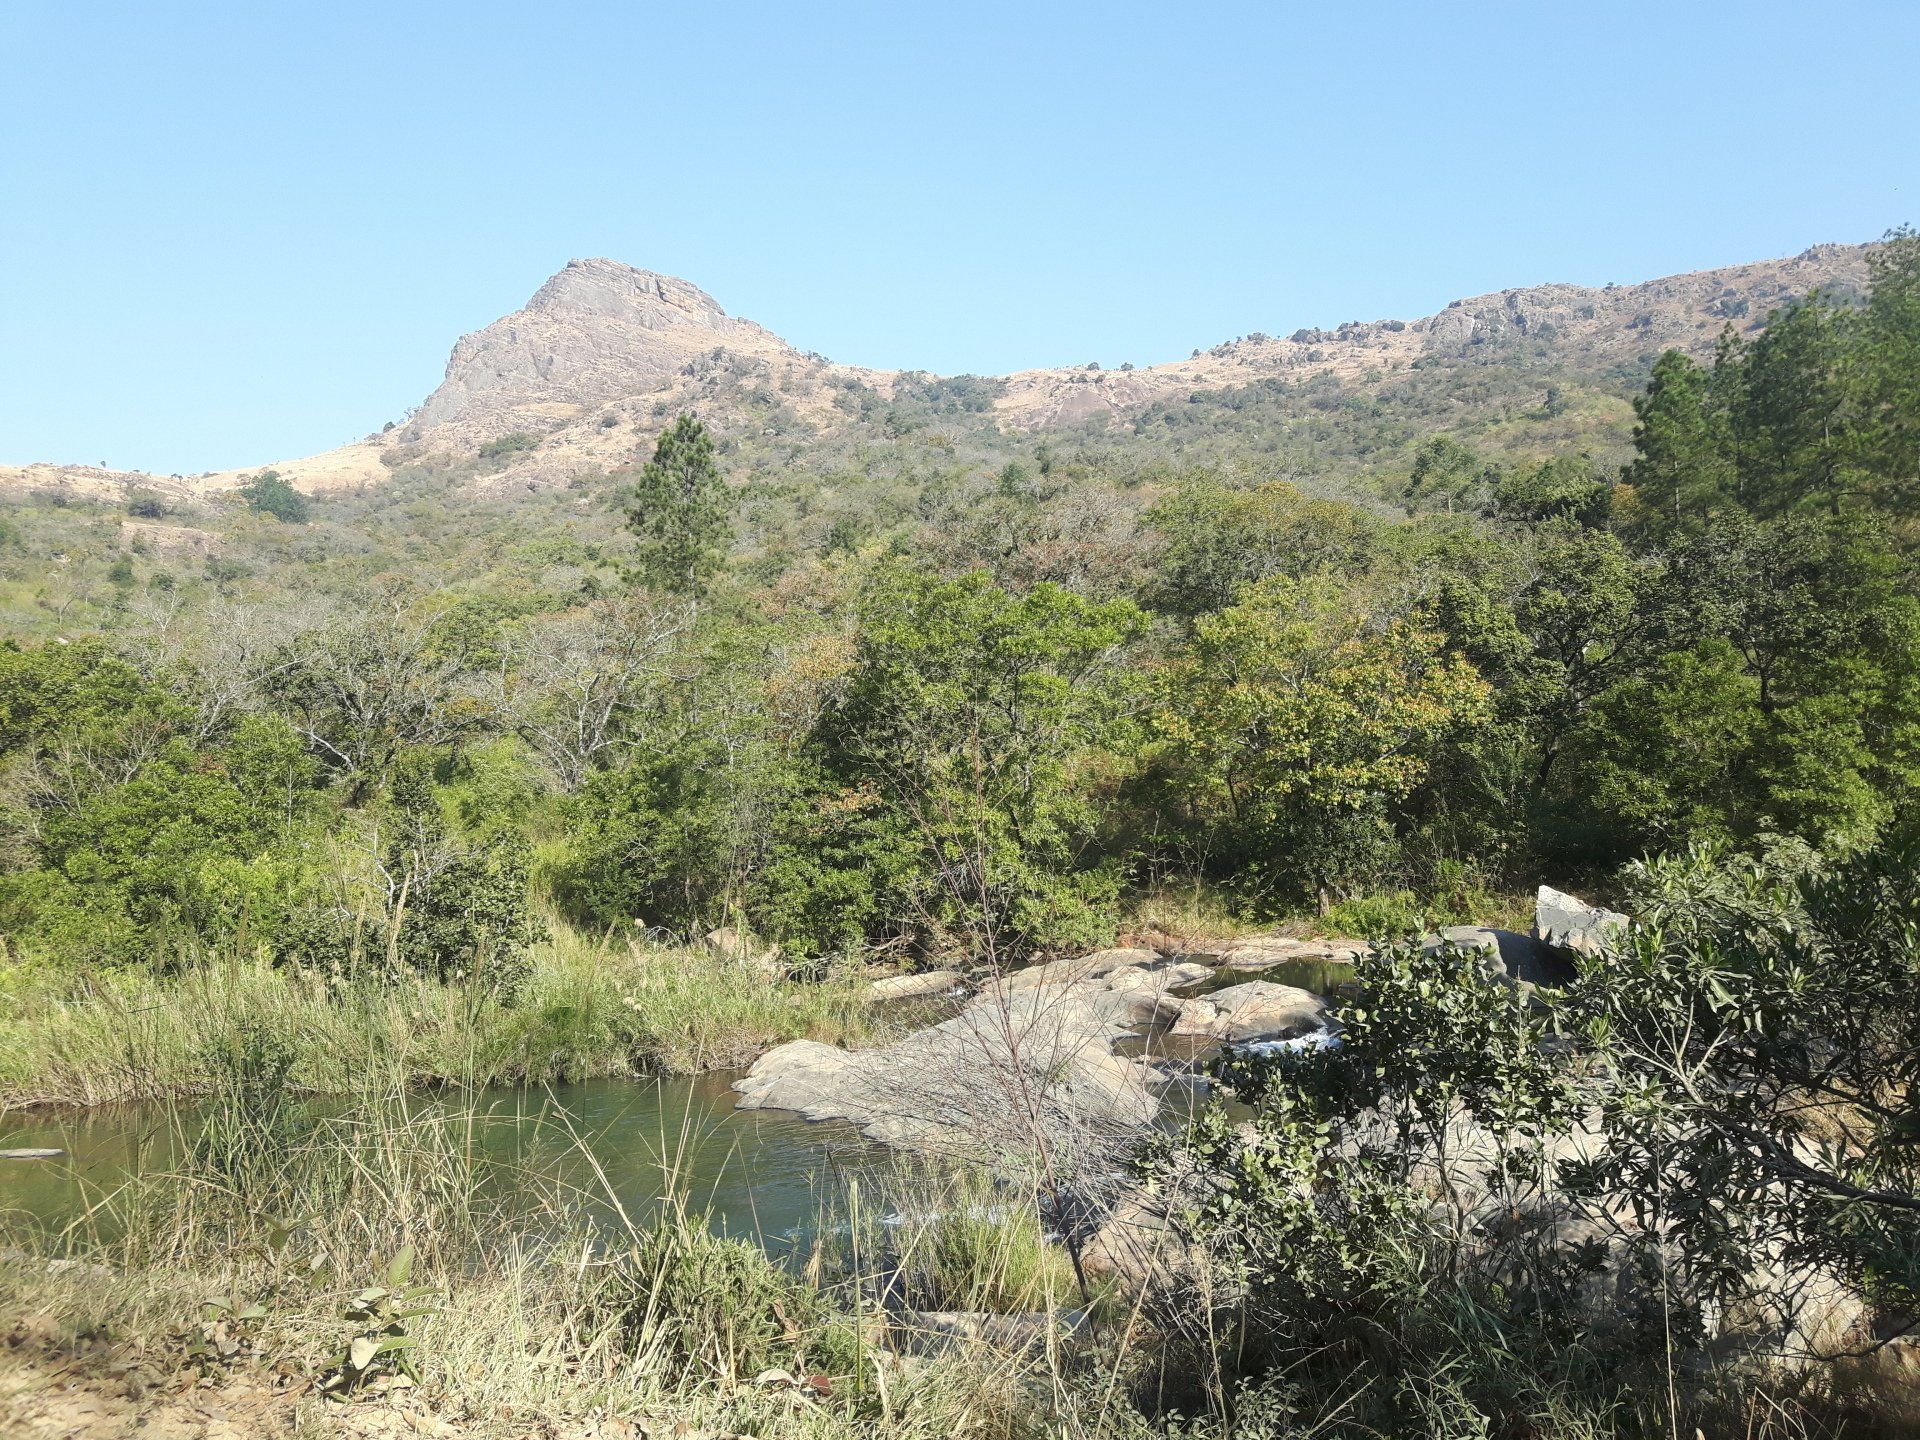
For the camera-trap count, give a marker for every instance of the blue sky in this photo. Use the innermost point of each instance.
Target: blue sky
(238, 232)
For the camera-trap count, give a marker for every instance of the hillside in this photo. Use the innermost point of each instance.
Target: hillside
(579, 380)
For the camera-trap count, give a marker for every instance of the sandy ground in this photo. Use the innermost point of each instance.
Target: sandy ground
(102, 1394)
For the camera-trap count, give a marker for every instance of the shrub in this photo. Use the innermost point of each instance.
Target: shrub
(270, 494)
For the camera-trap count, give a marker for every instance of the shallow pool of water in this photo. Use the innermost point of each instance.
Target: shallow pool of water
(761, 1174)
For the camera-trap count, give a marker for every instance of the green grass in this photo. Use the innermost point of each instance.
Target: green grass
(588, 1010)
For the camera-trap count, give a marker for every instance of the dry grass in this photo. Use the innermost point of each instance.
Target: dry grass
(535, 1319)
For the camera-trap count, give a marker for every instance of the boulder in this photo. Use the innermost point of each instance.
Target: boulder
(1257, 1010)
(908, 987)
(1507, 955)
(1134, 1244)
(1165, 977)
(737, 945)
(1080, 967)
(979, 1081)
(1566, 922)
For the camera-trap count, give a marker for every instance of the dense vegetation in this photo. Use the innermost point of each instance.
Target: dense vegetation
(980, 728)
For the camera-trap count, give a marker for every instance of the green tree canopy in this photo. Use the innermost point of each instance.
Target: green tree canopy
(678, 509)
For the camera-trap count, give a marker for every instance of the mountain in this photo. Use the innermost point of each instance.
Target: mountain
(580, 378)
(595, 332)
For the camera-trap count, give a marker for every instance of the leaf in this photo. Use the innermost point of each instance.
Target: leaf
(396, 1342)
(400, 1268)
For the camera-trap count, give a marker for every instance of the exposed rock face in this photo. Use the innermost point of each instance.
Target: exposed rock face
(604, 353)
(596, 331)
(1567, 922)
(1600, 325)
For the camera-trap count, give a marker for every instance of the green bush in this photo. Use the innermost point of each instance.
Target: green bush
(270, 494)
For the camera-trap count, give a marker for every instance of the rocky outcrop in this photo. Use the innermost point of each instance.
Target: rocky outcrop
(604, 354)
(1012, 1062)
(1257, 1010)
(1032, 1050)
(595, 332)
(1507, 955)
(1566, 922)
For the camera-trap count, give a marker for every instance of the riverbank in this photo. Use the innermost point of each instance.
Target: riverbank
(411, 1295)
(588, 1010)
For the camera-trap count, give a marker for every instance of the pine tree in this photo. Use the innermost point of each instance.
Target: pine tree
(1683, 471)
(678, 510)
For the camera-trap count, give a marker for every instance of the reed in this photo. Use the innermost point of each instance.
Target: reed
(589, 1009)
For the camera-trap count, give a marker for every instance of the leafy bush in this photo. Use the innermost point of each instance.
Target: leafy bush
(270, 494)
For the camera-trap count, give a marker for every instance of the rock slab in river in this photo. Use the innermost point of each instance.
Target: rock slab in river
(1033, 1049)
(1257, 1010)
(908, 987)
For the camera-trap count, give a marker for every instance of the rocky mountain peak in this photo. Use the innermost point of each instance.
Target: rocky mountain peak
(596, 331)
(610, 290)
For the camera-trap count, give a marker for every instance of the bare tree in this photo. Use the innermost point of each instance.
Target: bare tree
(571, 685)
(218, 657)
(365, 684)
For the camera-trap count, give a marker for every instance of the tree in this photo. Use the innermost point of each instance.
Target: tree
(1683, 470)
(677, 508)
(363, 686)
(571, 685)
(1295, 725)
(969, 730)
(1215, 540)
(1890, 404)
(1772, 688)
(449, 910)
(270, 494)
(1794, 420)
(1448, 474)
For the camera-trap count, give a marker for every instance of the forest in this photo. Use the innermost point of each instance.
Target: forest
(999, 715)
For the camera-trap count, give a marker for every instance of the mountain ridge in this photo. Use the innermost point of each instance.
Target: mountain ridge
(578, 378)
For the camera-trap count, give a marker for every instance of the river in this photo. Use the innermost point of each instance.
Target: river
(765, 1175)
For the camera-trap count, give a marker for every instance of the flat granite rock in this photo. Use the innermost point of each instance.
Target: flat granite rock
(1265, 952)
(1016, 1056)
(1257, 1010)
